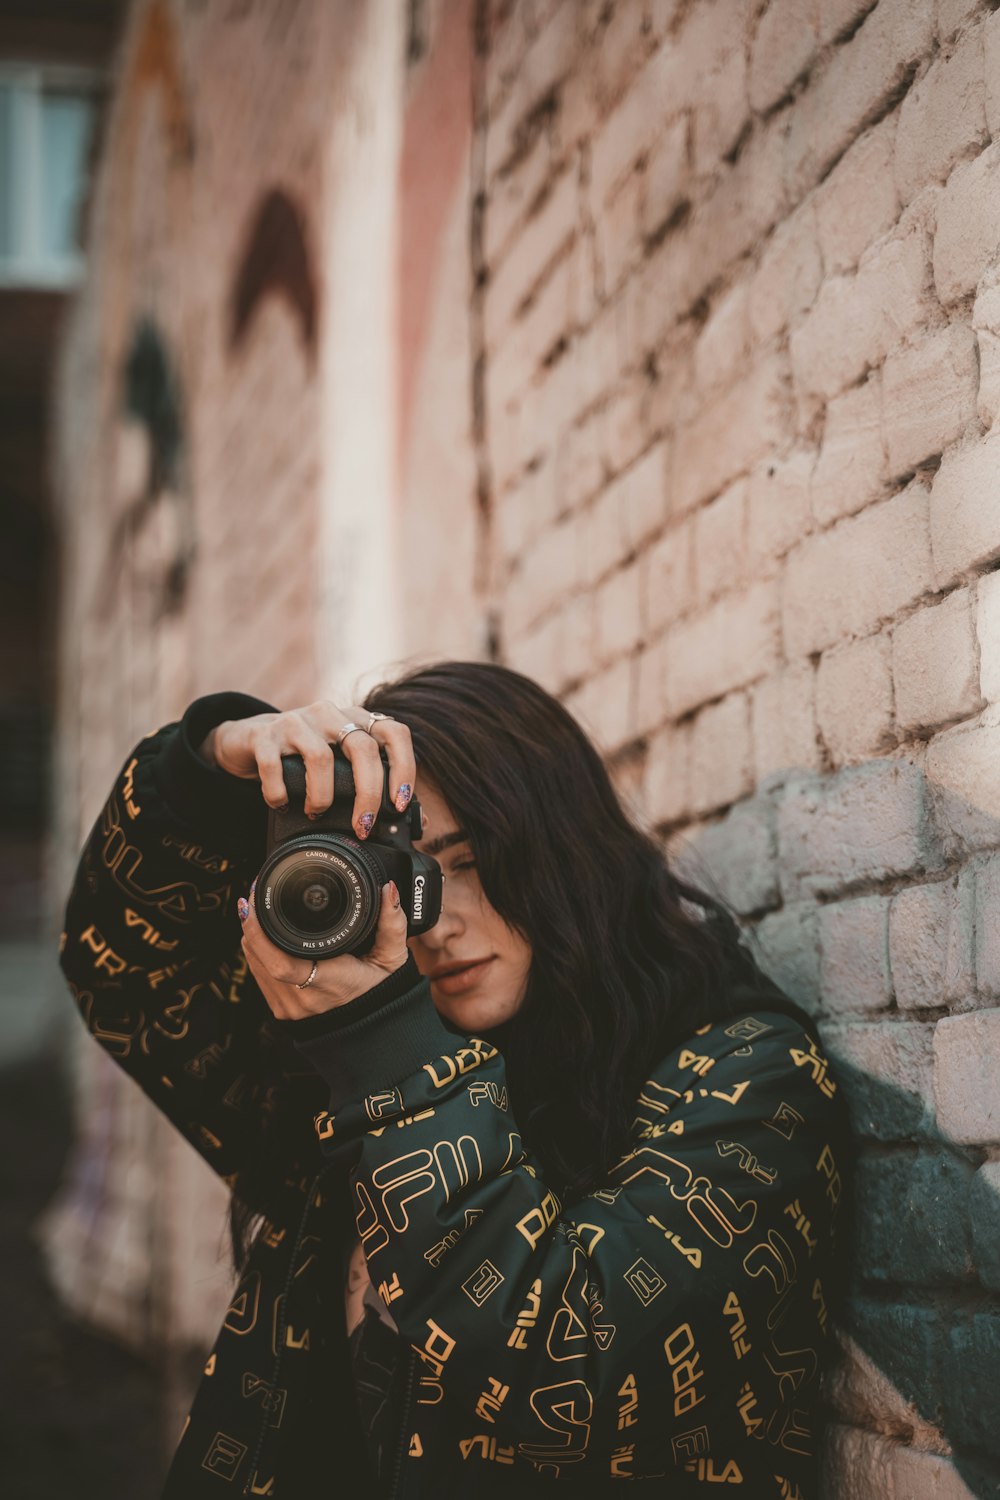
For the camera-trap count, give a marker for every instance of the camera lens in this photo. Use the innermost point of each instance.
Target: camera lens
(318, 894)
(312, 900)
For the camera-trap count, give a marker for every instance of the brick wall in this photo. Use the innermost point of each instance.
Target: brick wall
(654, 347)
(740, 327)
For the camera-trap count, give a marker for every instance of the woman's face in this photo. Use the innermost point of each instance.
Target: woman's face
(468, 932)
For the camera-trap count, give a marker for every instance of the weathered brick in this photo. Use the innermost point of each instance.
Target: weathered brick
(538, 652)
(860, 77)
(851, 468)
(724, 343)
(788, 277)
(720, 754)
(913, 1472)
(886, 1069)
(778, 508)
(854, 699)
(665, 180)
(720, 544)
(934, 663)
(643, 498)
(988, 633)
(652, 99)
(650, 689)
(618, 611)
(541, 68)
(578, 637)
(579, 464)
(991, 48)
(968, 1380)
(512, 197)
(668, 576)
(892, 1358)
(862, 571)
(965, 511)
(600, 541)
(858, 201)
(543, 240)
(986, 326)
(856, 320)
(860, 1459)
(928, 1192)
(866, 823)
(929, 396)
(733, 431)
(547, 574)
(787, 946)
(966, 1069)
(623, 429)
(740, 851)
(854, 954)
(963, 775)
(783, 722)
(722, 108)
(987, 908)
(666, 786)
(617, 235)
(783, 47)
(984, 1215)
(968, 225)
(603, 705)
(728, 646)
(943, 117)
(952, 14)
(931, 936)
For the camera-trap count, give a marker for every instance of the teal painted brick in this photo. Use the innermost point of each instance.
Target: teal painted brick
(885, 1069)
(904, 1341)
(984, 1217)
(971, 1377)
(866, 823)
(912, 1217)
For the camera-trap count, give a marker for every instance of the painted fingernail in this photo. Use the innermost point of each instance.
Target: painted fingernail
(253, 885)
(403, 796)
(281, 807)
(365, 824)
(243, 908)
(394, 894)
(313, 816)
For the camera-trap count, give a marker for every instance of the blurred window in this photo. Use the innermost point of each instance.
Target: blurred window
(46, 121)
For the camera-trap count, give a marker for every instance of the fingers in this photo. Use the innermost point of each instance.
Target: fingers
(402, 761)
(311, 732)
(389, 948)
(366, 767)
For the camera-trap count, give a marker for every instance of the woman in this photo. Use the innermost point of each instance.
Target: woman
(552, 1192)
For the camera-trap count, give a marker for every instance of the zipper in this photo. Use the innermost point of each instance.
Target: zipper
(404, 1430)
(282, 1325)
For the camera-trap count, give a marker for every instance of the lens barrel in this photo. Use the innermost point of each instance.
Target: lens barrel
(319, 895)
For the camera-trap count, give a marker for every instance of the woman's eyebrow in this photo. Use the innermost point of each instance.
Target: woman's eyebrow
(445, 841)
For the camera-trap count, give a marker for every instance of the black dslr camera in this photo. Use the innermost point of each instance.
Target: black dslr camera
(318, 891)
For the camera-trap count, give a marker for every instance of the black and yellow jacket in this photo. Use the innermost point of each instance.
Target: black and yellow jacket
(672, 1325)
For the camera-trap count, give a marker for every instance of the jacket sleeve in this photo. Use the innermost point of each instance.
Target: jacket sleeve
(683, 1297)
(151, 944)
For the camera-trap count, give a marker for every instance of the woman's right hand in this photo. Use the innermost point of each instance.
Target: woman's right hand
(253, 747)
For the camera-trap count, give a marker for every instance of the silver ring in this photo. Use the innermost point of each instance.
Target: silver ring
(312, 976)
(371, 721)
(348, 729)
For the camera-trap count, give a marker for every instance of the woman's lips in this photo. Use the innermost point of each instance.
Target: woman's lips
(462, 979)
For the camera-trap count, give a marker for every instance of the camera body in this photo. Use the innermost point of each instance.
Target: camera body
(318, 891)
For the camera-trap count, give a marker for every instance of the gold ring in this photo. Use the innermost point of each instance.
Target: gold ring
(312, 976)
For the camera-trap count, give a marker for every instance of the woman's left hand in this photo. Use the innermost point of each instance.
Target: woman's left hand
(338, 979)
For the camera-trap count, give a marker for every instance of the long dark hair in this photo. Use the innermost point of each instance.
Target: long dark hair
(628, 959)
